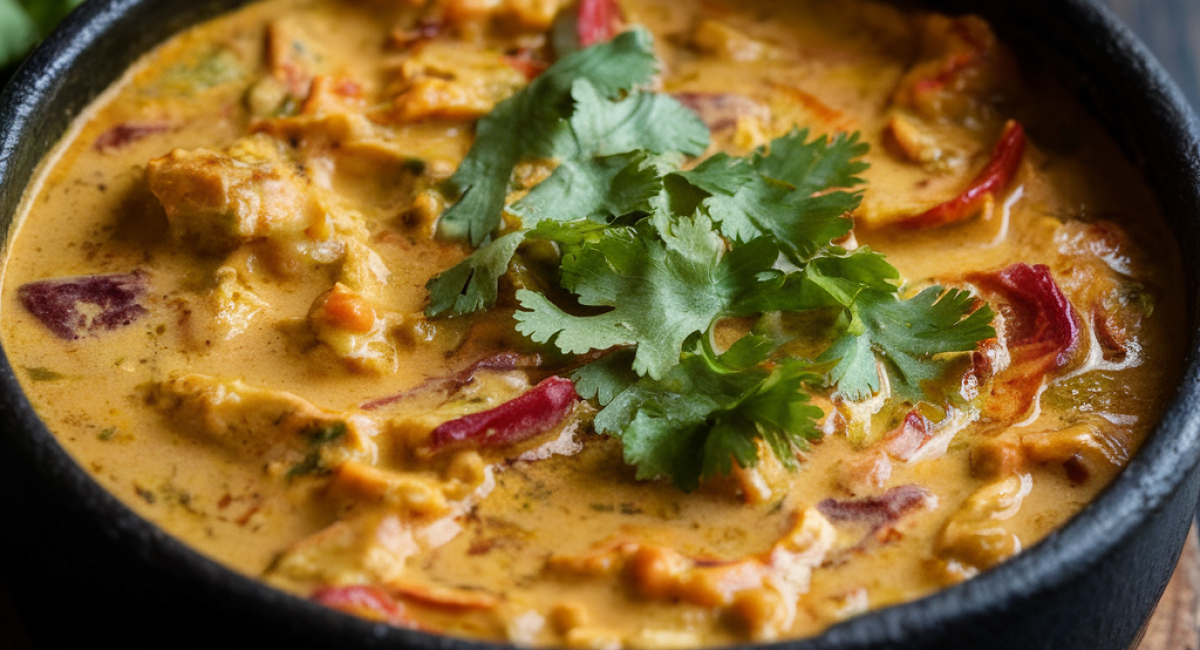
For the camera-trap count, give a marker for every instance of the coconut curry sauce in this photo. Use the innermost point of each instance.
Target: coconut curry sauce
(238, 296)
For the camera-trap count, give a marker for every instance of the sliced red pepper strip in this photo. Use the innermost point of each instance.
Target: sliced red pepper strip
(906, 440)
(123, 134)
(502, 361)
(599, 21)
(537, 411)
(993, 179)
(524, 63)
(366, 602)
(1041, 330)
(1038, 316)
(446, 598)
(876, 511)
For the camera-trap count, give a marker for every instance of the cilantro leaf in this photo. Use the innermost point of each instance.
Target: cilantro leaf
(533, 123)
(473, 283)
(651, 122)
(595, 177)
(842, 278)
(906, 336)
(661, 291)
(695, 423)
(607, 377)
(813, 166)
(781, 191)
(833, 280)
(592, 188)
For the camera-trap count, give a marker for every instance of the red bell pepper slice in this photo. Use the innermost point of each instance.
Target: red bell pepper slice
(524, 62)
(366, 602)
(537, 411)
(501, 361)
(992, 180)
(1038, 317)
(599, 21)
(906, 440)
(1041, 331)
(123, 134)
(876, 511)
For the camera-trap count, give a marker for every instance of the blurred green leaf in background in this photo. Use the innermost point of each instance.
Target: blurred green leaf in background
(25, 22)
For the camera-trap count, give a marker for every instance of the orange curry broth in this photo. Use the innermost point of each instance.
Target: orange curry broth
(269, 401)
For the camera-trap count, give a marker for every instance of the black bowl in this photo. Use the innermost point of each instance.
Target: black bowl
(83, 568)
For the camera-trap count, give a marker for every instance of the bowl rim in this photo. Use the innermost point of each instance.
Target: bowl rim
(1142, 489)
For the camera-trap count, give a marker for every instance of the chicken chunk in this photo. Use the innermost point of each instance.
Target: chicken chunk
(217, 201)
(298, 436)
(452, 82)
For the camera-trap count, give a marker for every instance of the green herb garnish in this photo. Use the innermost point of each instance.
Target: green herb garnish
(653, 256)
(318, 436)
(38, 373)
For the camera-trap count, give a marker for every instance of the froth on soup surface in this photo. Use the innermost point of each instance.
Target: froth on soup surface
(240, 295)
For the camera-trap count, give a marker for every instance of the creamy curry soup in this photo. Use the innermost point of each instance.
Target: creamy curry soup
(655, 323)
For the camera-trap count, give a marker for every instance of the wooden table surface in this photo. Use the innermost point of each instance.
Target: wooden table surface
(1176, 623)
(1171, 28)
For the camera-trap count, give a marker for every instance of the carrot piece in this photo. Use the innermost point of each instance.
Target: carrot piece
(342, 308)
(993, 179)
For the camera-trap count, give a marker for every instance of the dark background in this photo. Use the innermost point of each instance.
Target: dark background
(1171, 29)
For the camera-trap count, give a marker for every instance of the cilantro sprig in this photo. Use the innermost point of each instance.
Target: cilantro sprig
(655, 254)
(562, 115)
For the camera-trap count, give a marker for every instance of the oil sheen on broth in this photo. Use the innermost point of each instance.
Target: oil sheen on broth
(217, 299)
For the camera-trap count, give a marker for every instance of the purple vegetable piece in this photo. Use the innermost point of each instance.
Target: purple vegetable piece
(57, 303)
(535, 412)
(722, 110)
(500, 361)
(882, 510)
(123, 134)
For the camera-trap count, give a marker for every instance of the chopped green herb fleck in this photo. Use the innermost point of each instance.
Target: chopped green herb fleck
(42, 374)
(310, 466)
(321, 434)
(145, 494)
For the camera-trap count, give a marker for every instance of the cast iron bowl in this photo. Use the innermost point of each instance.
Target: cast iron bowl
(83, 568)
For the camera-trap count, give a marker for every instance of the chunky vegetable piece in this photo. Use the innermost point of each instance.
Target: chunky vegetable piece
(71, 307)
(590, 323)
